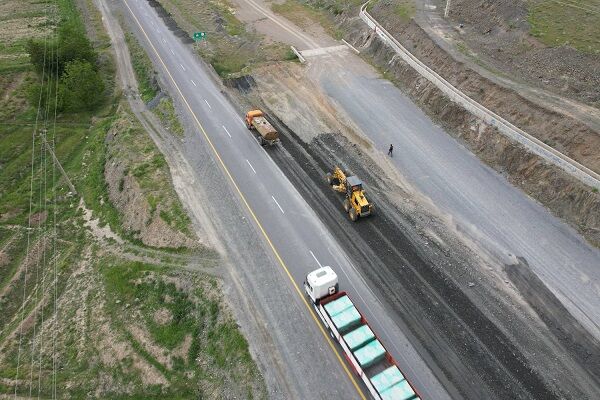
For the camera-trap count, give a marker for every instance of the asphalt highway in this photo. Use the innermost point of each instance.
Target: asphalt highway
(290, 229)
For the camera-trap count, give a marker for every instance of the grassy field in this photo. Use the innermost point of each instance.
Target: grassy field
(229, 48)
(132, 321)
(303, 15)
(570, 22)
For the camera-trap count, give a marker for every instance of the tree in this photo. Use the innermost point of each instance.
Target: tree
(74, 45)
(81, 86)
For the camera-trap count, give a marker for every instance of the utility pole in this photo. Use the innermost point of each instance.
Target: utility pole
(447, 10)
(64, 174)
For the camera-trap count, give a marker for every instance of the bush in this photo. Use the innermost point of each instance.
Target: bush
(47, 98)
(81, 86)
(72, 44)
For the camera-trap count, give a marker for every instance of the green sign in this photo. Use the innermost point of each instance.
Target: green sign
(199, 35)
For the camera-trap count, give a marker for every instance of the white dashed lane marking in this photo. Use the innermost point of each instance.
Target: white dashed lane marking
(253, 170)
(275, 200)
(226, 130)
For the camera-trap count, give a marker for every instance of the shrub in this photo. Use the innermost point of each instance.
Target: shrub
(81, 86)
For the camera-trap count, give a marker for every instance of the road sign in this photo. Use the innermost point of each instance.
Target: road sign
(199, 36)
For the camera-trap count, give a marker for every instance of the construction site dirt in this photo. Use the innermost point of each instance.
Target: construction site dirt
(472, 326)
(483, 330)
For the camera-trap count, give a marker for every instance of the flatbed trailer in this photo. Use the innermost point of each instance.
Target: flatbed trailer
(363, 350)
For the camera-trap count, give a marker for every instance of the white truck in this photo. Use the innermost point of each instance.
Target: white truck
(363, 349)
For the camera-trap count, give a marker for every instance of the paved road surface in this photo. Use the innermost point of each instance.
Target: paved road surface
(300, 239)
(500, 217)
(481, 202)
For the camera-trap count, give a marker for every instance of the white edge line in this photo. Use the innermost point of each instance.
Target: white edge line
(226, 130)
(207, 104)
(318, 262)
(253, 170)
(275, 200)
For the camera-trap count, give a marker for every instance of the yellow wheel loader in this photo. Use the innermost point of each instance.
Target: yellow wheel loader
(355, 203)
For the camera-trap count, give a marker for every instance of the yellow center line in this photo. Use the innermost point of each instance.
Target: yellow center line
(264, 233)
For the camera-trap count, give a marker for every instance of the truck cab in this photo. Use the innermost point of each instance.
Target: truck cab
(321, 283)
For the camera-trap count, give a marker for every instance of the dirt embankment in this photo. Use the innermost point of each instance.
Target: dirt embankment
(503, 37)
(565, 134)
(138, 183)
(565, 196)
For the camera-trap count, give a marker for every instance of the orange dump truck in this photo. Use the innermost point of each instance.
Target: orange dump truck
(265, 133)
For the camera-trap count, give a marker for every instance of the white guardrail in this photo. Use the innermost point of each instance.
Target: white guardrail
(534, 145)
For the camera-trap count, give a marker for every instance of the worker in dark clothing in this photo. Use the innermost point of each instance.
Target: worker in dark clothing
(391, 151)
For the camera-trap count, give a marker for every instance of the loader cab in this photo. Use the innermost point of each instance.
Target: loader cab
(321, 283)
(353, 184)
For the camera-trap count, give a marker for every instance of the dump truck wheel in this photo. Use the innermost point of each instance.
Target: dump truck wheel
(353, 215)
(329, 179)
(347, 205)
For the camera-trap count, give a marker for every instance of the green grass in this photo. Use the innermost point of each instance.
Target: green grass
(142, 66)
(566, 23)
(193, 300)
(167, 115)
(138, 290)
(405, 9)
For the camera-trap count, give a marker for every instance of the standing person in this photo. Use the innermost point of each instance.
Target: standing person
(391, 151)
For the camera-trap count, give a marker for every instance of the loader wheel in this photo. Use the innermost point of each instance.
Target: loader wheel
(329, 179)
(347, 205)
(353, 215)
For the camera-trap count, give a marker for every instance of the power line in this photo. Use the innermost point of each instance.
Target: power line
(28, 246)
(54, 237)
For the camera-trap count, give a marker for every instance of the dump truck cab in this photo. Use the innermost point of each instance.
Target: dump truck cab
(321, 283)
(250, 115)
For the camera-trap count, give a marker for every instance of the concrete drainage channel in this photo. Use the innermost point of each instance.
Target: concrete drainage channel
(531, 143)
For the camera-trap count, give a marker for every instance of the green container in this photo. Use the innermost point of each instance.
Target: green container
(339, 305)
(359, 337)
(370, 354)
(400, 391)
(346, 320)
(386, 379)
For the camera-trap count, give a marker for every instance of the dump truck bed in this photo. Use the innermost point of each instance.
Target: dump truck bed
(365, 352)
(264, 128)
